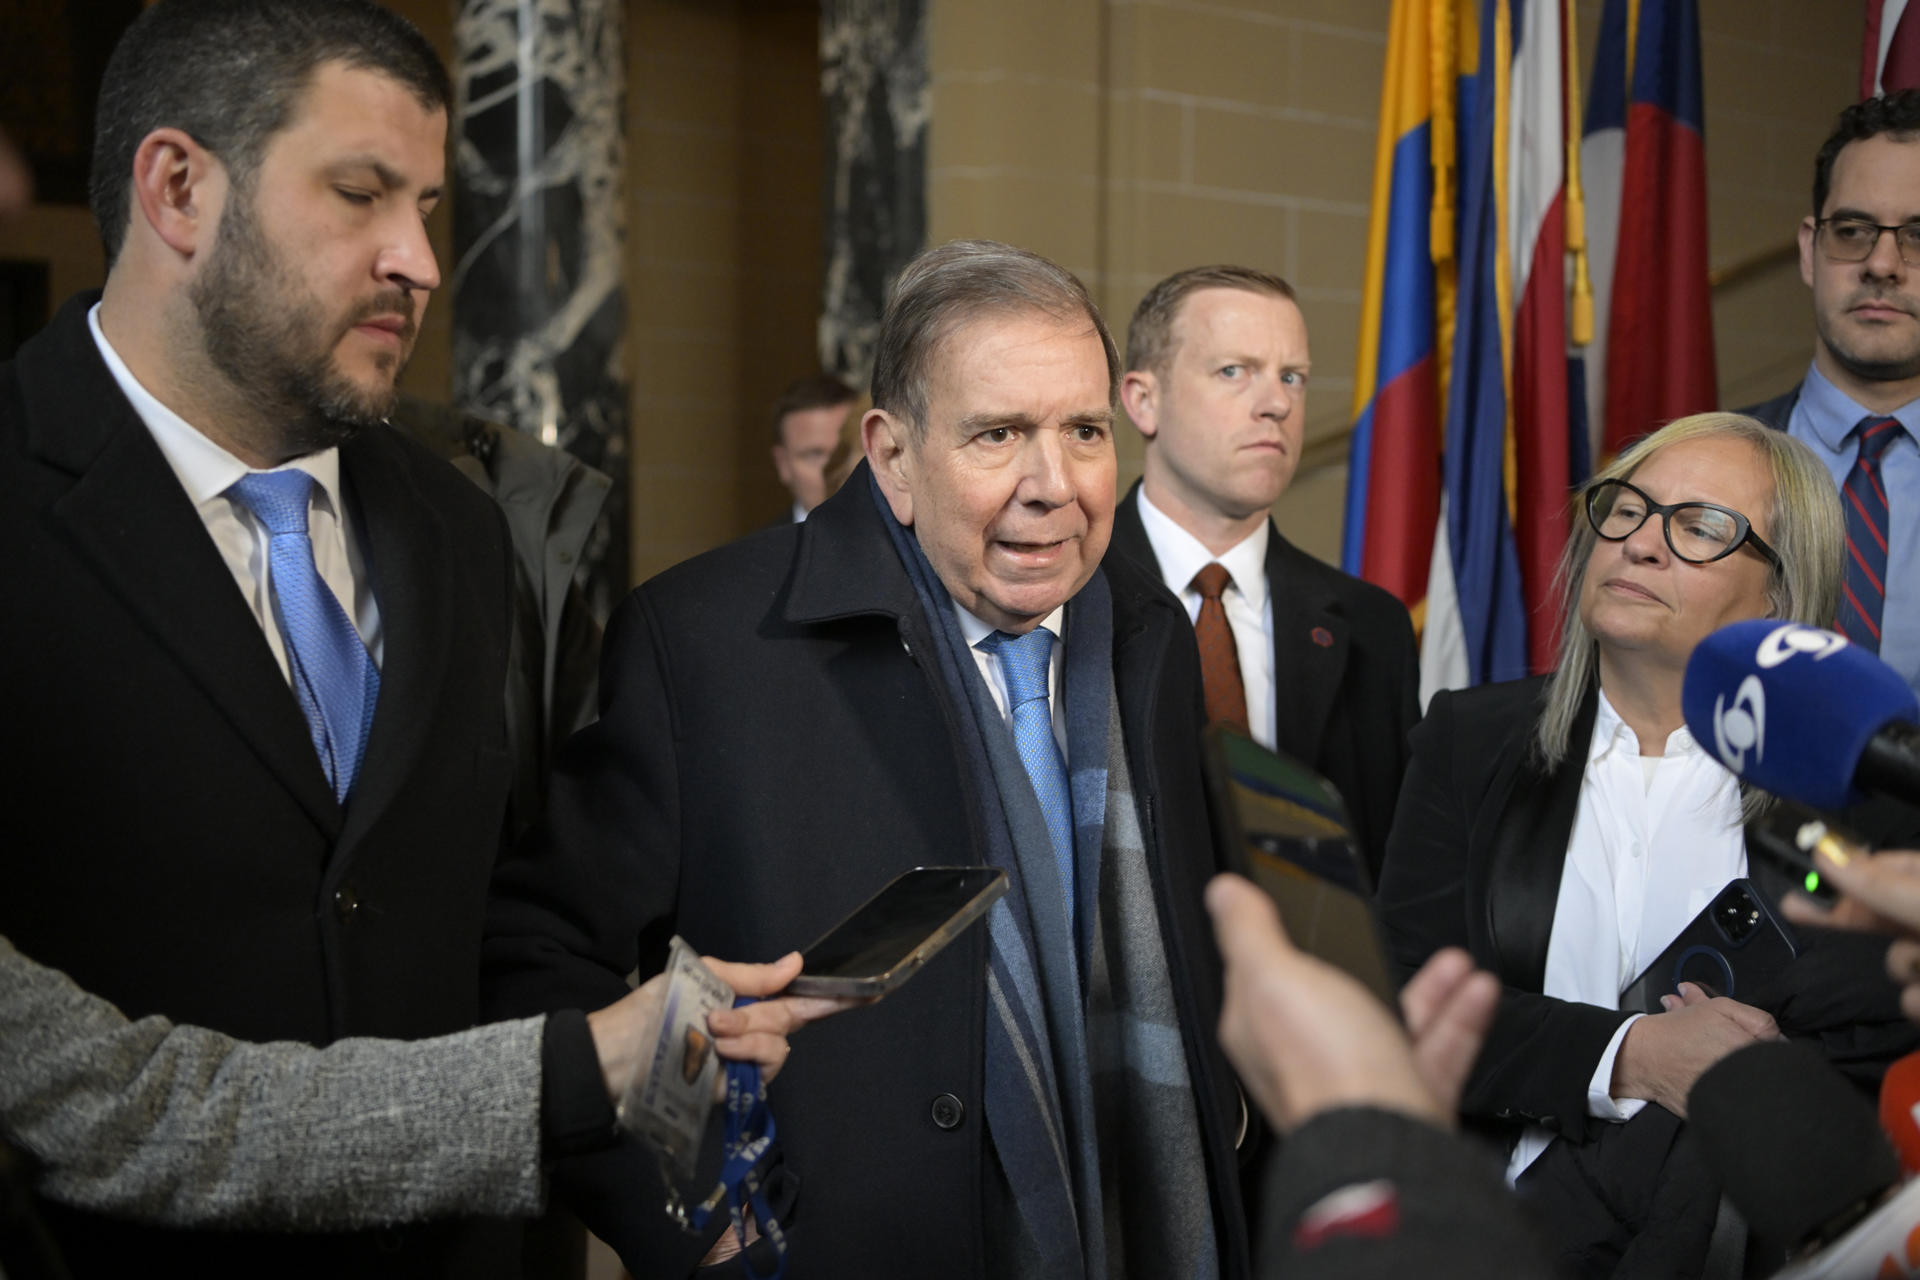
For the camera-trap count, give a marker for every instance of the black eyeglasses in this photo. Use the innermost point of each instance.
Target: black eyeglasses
(1698, 532)
(1854, 239)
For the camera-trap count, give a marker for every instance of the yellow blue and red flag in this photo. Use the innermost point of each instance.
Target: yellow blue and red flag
(1470, 402)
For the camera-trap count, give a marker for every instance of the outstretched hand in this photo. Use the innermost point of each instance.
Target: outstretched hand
(1306, 1037)
(756, 1033)
(1879, 894)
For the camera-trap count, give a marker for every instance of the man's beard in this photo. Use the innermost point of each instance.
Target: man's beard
(268, 336)
(1893, 367)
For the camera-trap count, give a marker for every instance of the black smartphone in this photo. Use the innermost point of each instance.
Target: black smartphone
(1285, 828)
(1787, 835)
(1735, 944)
(888, 937)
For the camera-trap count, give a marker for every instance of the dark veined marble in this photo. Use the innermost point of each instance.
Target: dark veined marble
(874, 87)
(539, 226)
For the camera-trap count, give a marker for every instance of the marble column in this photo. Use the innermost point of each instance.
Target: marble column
(539, 226)
(873, 85)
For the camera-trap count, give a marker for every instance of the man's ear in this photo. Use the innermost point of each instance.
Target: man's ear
(178, 188)
(889, 445)
(1139, 395)
(1807, 232)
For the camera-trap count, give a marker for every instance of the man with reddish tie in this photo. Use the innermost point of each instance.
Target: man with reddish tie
(1308, 660)
(1859, 404)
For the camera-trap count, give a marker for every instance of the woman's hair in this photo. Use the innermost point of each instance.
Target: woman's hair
(1802, 523)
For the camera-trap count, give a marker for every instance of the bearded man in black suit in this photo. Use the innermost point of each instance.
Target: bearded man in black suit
(257, 641)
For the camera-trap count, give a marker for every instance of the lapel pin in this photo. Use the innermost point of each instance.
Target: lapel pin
(1323, 637)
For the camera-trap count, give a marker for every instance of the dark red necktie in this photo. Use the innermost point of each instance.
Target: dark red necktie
(1219, 656)
(1864, 499)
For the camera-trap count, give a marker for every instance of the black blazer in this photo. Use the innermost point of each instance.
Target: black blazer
(1777, 412)
(1474, 861)
(172, 841)
(770, 751)
(1346, 674)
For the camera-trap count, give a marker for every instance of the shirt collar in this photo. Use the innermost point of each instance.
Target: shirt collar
(975, 629)
(1181, 555)
(1832, 414)
(1611, 732)
(205, 470)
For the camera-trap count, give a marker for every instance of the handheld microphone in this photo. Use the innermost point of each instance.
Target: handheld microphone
(1804, 714)
(1900, 1110)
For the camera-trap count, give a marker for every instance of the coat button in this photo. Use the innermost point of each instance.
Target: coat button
(346, 904)
(948, 1112)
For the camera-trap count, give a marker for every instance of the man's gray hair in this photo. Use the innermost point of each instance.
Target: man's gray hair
(958, 282)
(1803, 524)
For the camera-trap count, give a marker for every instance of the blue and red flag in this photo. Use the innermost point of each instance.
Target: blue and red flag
(1652, 299)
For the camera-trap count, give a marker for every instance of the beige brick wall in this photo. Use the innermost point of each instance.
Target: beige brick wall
(724, 259)
(1131, 138)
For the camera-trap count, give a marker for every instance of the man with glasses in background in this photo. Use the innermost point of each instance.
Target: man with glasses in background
(1859, 405)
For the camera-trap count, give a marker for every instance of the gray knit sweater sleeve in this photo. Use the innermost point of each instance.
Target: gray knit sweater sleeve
(184, 1126)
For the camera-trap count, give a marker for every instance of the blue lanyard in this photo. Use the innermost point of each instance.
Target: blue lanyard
(749, 1133)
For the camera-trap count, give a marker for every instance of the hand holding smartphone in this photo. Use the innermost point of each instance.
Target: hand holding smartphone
(886, 940)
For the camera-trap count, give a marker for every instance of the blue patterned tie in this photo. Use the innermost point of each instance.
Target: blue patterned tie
(331, 673)
(1864, 499)
(1025, 661)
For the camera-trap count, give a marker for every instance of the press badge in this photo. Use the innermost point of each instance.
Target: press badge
(672, 1090)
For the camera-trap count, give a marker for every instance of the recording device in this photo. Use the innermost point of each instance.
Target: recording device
(1804, 714)
(1734, 944)
(888, 937)
(1803, 1158)
(1788, 834)
(1284, 827)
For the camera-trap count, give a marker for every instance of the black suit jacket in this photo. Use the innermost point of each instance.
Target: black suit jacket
(1777, 412)
(770, 751)
(172, 841)
(1474, 861)
(1346, 674)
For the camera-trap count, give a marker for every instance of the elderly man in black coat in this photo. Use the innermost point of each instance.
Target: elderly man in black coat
(936, 668)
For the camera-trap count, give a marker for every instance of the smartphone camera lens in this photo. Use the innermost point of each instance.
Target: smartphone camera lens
(1738, 916)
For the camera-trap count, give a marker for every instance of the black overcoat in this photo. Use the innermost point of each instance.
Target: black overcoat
(771, 750)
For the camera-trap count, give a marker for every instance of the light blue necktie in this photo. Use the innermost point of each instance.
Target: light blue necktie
(1025, 661)
(331, 673)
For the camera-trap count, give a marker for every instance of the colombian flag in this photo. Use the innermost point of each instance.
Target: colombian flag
(1393, 476)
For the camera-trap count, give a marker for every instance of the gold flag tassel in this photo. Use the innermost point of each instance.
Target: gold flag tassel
(1580, 321)
(1440, 135)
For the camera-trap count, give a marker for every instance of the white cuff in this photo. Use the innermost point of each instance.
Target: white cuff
(1600, 1100)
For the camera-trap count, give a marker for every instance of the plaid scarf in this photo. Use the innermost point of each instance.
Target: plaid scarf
(1098, 1169)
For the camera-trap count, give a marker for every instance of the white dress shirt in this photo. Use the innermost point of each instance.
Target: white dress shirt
(206, 471)
(1655, 838)
(975, 630)
(1248, 603)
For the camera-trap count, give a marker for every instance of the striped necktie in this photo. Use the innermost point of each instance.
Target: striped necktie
(332, 675)
(1864, 499)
